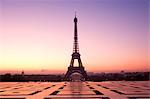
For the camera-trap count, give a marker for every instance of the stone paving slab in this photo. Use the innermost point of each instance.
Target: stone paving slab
(75, 90)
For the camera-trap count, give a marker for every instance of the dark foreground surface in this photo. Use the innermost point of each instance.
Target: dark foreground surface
(75, 90)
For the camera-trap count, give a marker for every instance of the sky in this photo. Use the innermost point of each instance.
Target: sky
(37, 35)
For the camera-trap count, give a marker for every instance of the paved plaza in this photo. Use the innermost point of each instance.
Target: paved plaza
(75, 90)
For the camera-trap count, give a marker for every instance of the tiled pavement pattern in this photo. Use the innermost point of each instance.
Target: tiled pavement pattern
(75, 90)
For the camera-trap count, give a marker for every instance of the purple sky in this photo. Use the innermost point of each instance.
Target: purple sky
(38, 34)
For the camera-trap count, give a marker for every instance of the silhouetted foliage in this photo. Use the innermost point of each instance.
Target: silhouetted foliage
(126, 76)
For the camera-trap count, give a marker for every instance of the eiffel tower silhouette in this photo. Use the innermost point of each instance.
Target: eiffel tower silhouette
(76, 55)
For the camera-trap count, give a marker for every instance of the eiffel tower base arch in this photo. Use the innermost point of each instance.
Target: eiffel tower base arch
(79, 70)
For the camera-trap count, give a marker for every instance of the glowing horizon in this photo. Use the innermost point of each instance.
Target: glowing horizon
(38, 35)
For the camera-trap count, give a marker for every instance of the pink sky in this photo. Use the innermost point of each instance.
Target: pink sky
(37, 35)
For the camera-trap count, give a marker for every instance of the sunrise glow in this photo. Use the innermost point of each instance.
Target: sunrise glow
(37, 35)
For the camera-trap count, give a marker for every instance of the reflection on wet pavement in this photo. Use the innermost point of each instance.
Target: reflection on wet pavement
(75, 90)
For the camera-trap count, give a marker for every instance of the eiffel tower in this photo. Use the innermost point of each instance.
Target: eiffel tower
(75, 56)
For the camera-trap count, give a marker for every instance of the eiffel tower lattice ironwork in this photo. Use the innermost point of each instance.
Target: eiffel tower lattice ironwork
(76, 56)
